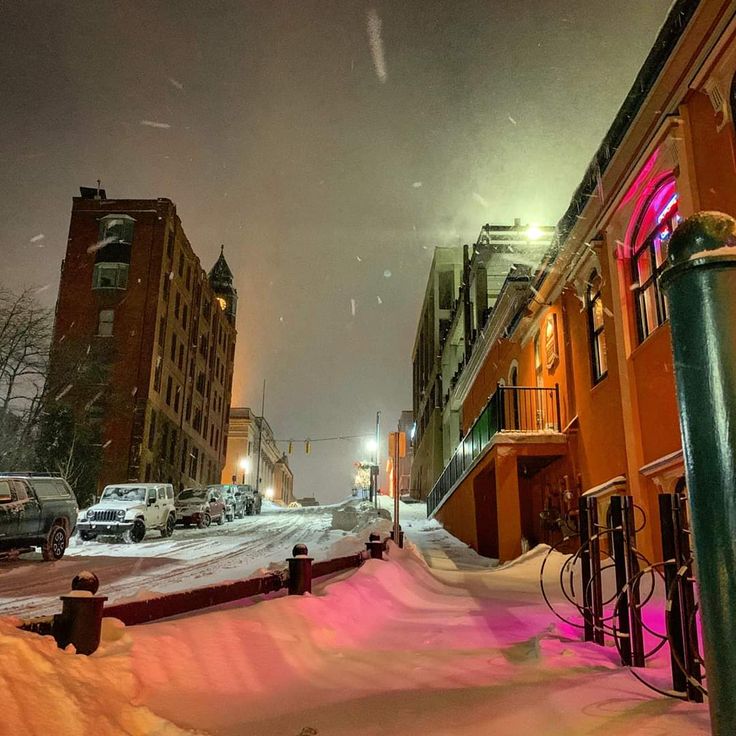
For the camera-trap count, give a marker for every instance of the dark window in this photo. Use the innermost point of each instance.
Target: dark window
(200, 383)
(180, 362)
(166, 286)
(596, 330)
(184, 455)
(116, 229)
(185, 315)
(193, 462)
(104, 325)
(157, 375)
(189, 277)
(172, 446)
(152, 430)
(168, 390)
(173, 346)
(181, 264)
(177, 394)
(197, 422)
(170, 246)
(649, 251)
(162, 331)
(177, 304)
(188, 412)
(446, 288)
(110, 276)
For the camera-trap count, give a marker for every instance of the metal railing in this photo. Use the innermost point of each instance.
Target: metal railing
(525, 409)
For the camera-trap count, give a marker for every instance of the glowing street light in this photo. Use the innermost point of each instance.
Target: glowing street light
(269, 492)
(244, 466)
(534, 233)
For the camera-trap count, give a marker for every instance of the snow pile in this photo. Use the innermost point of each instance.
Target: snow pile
(44, 690)
(396, 648)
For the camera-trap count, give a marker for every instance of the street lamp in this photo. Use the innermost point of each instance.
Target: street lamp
(371, 445)
(269, 492)
(244, 466)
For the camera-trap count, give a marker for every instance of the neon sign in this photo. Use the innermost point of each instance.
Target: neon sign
(667, 208)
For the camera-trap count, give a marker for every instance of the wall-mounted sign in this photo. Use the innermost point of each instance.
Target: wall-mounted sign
(550, 340)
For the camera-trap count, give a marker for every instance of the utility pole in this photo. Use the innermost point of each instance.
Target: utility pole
(260, 437)
(375, 468)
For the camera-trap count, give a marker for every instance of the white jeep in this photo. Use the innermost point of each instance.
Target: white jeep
(130, 510)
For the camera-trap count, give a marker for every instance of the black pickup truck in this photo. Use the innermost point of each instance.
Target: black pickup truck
(36, 511)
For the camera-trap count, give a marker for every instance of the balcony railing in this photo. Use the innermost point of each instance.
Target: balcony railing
(511, 409)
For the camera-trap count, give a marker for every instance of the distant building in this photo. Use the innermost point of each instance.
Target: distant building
(308, 501)
(251, 444)
(440, 297)
(134, 298)
(406, 425)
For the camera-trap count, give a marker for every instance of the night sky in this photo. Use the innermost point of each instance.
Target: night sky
(328, 145)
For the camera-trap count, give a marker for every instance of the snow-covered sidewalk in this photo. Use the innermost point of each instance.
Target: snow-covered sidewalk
(393, 648)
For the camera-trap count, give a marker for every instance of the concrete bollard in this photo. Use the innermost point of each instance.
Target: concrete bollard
(375, 546)
(300, 570)
(80, 620)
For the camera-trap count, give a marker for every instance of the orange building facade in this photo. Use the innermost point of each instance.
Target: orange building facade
(569, 388)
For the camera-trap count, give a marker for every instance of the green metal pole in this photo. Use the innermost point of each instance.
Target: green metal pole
(700, 285)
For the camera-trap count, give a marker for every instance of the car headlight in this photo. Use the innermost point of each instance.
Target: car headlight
(121, 514)
(89, 515)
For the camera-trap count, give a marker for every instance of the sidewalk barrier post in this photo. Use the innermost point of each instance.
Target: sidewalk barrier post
(401, 537)
(699, 283)
(300, 570)
(80, 620)
(375, 546)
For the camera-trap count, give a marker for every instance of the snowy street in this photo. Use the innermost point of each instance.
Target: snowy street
(190, 558)
(396, 647)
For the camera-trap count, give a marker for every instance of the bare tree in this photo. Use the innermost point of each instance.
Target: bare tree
(25, 336)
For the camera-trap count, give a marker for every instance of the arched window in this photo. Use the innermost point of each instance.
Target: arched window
(596, 329)
(658, 218)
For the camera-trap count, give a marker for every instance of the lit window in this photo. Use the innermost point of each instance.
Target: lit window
(597, 335)
(658, 220)
(221, 302)
(104, 326)
(110, 276)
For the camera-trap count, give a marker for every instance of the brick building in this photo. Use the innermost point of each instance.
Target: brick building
(570, 388)
(134, 297)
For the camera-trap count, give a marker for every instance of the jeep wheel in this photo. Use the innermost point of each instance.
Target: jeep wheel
(205, 521)
(87, 536)
(55, 545)
(136, 533)
(249, 511)
(168, 529)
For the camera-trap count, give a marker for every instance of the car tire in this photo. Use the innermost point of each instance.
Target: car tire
(136, 533)
(87, 536)
(168, 529)
(205, 521)
(55, 544)
(221, 519)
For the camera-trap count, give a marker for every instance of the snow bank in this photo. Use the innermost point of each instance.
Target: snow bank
(44, 690)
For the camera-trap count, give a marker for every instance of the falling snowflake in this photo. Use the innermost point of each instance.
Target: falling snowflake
(376, 43)
(387, 274)
(380, 301)
(176, 83)
(154, 124)
(512, 120)
(481, 200)
(352, 307)
(417, 184)
(38, 237)
(360, 260)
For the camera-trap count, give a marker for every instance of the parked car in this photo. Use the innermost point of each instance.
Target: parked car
(236, 500)
(36, 510)
(200, 506)
(129, 510)
(253, 499)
